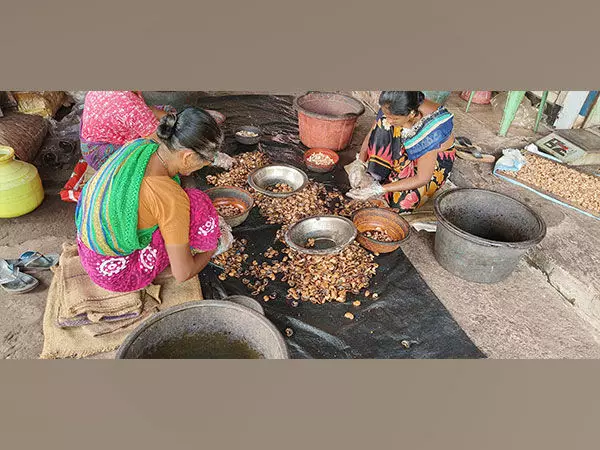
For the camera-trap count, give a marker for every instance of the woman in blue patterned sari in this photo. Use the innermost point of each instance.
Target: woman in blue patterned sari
(408, 154)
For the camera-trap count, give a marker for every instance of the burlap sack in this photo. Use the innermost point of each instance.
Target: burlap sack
(42, 103)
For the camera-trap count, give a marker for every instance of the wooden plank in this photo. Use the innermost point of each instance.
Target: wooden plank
(573, 103)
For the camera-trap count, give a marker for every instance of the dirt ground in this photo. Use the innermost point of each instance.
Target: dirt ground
(549, 308)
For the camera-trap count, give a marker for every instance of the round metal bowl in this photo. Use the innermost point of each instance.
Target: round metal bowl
(206, 329)
(317, 168)
(248, 140)
(267, 176)
(369, 219)
(232, 196)
(331, 234)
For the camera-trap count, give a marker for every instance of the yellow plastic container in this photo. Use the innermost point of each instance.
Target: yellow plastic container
(21, 188)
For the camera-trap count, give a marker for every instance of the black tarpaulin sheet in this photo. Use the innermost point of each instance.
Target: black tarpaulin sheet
(406, 311)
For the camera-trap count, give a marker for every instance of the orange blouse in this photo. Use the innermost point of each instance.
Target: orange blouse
(163, 202)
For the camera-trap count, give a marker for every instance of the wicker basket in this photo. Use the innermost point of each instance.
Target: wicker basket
(24, 133)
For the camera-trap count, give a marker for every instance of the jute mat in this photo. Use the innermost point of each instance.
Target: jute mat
(86, 341)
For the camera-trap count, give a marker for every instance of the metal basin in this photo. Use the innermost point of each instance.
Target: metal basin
(248, 140)
(331, 235)
(207, 329)
(482, 235)
(271, 175)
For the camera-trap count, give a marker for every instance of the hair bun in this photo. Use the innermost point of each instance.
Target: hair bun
(420, 97)
(166, 126)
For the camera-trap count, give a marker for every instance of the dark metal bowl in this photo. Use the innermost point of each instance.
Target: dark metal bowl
(248, 140)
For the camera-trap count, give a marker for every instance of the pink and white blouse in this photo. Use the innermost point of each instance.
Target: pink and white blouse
(116, 117)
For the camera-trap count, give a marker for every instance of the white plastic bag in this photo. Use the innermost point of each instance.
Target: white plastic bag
(430, 227)
(512, 160)
(223, 161)
(365, 193)
(357, 174)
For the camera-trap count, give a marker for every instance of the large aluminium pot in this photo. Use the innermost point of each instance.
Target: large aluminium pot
(234, 328)
(482, 235)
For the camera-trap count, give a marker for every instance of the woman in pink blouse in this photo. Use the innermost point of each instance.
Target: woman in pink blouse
(111, 119)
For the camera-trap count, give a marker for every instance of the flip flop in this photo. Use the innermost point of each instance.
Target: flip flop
(14, 281)
(464, 141)
(465, 145)
(31, 261)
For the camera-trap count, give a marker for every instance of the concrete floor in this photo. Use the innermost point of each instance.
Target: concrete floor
(547, 309)
(550, 306)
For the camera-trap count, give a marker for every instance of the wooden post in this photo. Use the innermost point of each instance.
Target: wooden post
(570, 109)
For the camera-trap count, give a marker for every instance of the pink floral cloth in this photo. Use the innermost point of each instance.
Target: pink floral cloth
(138, 269)
(116, 117)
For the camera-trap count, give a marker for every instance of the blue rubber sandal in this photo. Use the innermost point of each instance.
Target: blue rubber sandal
(14, 281)
(31, 261)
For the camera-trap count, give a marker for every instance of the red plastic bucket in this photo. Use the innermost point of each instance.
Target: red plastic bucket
(480, 97)
(327, 120)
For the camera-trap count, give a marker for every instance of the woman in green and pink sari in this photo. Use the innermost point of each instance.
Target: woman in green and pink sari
(133, 217)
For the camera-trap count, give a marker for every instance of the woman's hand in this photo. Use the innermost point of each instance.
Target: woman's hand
(223, 161)
(425, 168)
(373, 190)
(226, 239)
(357, 171)
(184, 265)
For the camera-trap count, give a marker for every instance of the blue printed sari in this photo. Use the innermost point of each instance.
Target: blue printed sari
(393, 153)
